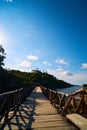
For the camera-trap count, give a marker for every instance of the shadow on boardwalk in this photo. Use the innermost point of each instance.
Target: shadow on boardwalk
(23, 118)
(36, 113)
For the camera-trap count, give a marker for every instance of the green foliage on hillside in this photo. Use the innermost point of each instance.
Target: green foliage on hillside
(2, 56)
(13, 79)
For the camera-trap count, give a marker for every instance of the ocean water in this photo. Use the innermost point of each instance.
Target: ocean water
(69, 90)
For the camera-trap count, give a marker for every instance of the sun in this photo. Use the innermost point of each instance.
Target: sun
(2, 38)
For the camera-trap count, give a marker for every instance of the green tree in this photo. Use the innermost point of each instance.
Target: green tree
(2, 56)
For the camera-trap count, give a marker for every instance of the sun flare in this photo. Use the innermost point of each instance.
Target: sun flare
(2, 38)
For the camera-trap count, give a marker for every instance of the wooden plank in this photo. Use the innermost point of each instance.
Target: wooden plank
(78, 120)
(49, 124)
(56, 128)
(37, 113)
(50, 116)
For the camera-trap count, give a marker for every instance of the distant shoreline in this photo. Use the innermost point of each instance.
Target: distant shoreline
(69, 89)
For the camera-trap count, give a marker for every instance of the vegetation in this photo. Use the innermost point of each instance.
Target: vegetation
(13, 79)
(2, 56)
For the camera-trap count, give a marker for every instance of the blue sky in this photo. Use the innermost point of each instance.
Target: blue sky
(50, 35)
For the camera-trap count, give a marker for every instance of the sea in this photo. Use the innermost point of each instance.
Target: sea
(70, 89)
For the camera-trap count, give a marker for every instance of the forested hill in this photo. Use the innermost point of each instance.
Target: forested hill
(13, 79)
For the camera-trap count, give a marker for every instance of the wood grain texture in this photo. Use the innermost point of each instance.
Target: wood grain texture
(78, 120)
(37, 113)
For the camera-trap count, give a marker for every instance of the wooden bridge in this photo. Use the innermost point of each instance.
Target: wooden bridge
(36, 112)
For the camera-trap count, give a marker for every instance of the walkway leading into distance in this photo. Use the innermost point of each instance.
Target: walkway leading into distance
(37, 113)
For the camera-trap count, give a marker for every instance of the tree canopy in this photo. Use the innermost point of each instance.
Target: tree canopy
(2, 56)
(14, 79)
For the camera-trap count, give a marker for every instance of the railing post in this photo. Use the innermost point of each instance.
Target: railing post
(10, 101)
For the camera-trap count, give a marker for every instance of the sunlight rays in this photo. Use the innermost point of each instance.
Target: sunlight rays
(3, 38)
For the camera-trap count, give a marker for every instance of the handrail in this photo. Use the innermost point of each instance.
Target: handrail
(68, 103)
(5, 93)
(10, 101)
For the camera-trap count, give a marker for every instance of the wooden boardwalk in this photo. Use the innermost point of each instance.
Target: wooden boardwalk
(37, 113)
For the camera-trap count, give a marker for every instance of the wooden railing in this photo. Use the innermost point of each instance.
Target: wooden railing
(10, 101)
(68, 103)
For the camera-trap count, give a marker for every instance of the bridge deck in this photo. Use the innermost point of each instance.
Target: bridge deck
(37, 113)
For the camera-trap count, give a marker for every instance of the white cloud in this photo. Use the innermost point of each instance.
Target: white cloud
(22, 69)
(32, 57)
(8, 0)
(46, 63)
(67, 73)
(84, 66)
(61, 72)
(76, 79)
(59, 69)
(25, 64)
(61, 61)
